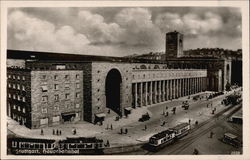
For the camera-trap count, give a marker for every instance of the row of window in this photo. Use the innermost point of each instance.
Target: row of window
(56, 77)
(18, 77)
(18, 108)
(18, 97)
(163, 75)
(16, 86)
(56, 97)
(56, 107)
(56, 87)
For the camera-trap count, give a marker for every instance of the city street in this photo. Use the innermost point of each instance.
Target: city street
(199, 110)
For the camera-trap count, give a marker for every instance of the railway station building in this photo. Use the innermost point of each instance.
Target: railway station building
(61, 88)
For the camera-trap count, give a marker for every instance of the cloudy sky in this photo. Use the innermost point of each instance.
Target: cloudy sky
(121, 31)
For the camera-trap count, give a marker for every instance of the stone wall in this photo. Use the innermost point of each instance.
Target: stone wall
(99, 74)
(52, 107)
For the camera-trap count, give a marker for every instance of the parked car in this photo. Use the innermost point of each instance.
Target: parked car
(144, 117)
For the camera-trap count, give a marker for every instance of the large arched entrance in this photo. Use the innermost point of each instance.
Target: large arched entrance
(113, 91)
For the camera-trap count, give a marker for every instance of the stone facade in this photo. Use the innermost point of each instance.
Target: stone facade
(99, 75)
(54, 93)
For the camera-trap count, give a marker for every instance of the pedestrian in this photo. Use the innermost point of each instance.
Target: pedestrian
(145, 127)
(75, 131)
(166, 107)
(57, 132)
(189, 121)
(60, 132)
(111, 127)
(196, 152)
(107, 127)
(121, 131)
(41, 131)
(211, 134)
(107, 144)
(53, 131)
(126, 130)
(196, 122)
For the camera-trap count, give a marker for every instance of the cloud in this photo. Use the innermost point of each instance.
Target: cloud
(139, 28)
(35, 34)
(120, 31)
(190, 24)
(97, 31)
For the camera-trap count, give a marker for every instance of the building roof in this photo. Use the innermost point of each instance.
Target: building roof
(52, 56)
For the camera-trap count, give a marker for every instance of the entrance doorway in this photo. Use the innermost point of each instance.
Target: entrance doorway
(68, 117)
(113, 91)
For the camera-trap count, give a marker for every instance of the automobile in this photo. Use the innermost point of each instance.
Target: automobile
(144, 117)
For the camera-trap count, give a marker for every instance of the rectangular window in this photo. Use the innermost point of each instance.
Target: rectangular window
(56, 107)
(14, 96)
(18, 86)
(56, 86)
(77, 85)
(24, 99)
(67, 105)
(9, 76)
(77, 105)
(9, 95)
(55, 77)
(9, 85)
(77, 76)
(18, 108)
(23, 87)
(14, 106)
(44, 98)
(24, 110)
(23, 77)
(77, 95)
(44, 77)
(14, 86)
(18, 97)
(56, 98)
(14, 77)
(18, 77)
(66, 86)
(60, 67)
(44, 110)
(67, 96)
(67, 77)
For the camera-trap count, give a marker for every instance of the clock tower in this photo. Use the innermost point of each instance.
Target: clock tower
(174, 45)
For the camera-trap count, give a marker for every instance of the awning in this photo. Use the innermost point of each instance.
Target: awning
(128, 108)
(100, 115)
(44, 88)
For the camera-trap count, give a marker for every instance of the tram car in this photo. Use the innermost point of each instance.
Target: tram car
(68, 146)
(181, 130)
(168, 136)
(161, 139)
